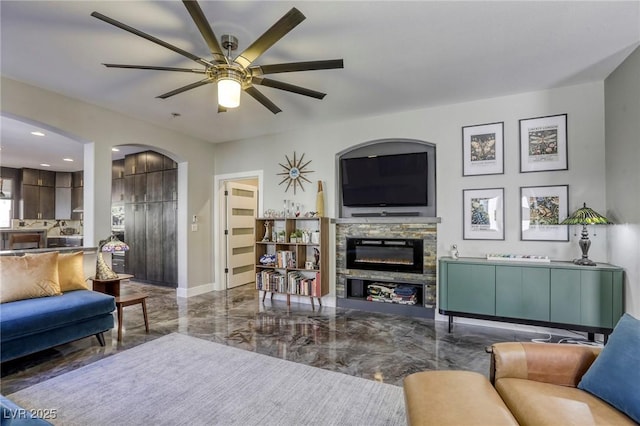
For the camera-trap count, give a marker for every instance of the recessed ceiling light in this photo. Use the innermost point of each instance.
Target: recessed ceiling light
(37, 133)
(67, 159)
(115, 149)
(45, 165)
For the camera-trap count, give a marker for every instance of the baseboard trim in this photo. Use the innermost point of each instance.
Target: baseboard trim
(194, 291)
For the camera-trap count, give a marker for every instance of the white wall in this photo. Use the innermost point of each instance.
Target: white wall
(622, 106)
(103, 129)
(584, 105)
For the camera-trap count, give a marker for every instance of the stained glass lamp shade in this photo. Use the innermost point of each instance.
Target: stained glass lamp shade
(585, 216)
(110, 245)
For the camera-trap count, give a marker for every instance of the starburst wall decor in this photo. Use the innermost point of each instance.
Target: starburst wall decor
(294, 172)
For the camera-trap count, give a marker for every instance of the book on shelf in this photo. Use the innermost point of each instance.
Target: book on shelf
(270, 280)
(286, 259)
(304, 285)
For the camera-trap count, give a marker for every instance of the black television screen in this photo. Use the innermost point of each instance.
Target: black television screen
(385, 180)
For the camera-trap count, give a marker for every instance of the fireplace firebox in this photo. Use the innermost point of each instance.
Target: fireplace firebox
(386, 254)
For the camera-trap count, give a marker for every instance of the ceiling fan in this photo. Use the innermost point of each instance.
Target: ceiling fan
(233, 75)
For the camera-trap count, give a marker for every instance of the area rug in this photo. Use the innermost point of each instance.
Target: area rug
(183, 380)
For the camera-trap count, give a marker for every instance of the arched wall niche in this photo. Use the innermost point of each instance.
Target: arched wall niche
(382, 147)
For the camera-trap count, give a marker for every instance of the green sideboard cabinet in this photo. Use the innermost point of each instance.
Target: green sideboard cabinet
(555, 294)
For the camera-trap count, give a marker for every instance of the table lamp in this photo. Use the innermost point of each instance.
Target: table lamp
(585, 216)
(109, 245)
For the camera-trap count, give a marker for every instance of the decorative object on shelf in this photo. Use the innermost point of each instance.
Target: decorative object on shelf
(543, 144)
(316, 256)
(518, 258)
(482, 149)
(320, 200)
(483, 214)
(109, 245)
(454, 252)
(268, 259)
(542, 209)
(267, 232)
(294, 172)
(585, 216)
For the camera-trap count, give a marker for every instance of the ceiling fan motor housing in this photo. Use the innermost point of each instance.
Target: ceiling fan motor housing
(229, 42)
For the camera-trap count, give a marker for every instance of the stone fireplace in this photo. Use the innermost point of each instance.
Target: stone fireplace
(384, 255)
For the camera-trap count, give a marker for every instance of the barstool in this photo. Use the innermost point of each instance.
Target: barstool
(128, 300)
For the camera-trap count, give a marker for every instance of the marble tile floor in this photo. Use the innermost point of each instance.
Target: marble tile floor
(370, 345)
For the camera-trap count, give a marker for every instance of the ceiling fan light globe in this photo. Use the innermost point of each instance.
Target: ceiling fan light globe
(229, 93)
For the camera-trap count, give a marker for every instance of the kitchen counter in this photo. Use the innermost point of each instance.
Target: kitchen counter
(5, 233)
(44, 250)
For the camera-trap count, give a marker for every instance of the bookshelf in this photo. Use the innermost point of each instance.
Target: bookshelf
(292, 257)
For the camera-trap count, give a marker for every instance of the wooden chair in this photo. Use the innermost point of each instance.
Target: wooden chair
(17, 239)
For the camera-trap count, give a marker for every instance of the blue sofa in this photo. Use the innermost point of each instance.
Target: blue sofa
(12, 414)
(32, 325)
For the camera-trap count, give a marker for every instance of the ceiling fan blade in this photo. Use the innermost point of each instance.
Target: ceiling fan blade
(145, 67)
(278, 30)
(150, 38)
(297, 66)
(255, 93)
(185, 88)
(288, 87)
(205, 29)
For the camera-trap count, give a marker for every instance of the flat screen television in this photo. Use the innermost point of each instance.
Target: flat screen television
(385, 180)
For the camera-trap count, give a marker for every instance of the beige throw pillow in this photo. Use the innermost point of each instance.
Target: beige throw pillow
(28, 277)
(71, 271)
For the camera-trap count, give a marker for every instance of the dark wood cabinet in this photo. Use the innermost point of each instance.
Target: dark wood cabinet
(38, 194)
(38, 177)
(135, 188)
(38, 202)
(154, 161)
(135, 236)
(77, 179)
(135, 163)
(170, 185)
(153, 235)
(117, 181)
(169, 164)
(117, 190)
(150, 216)
(154, 186)
(117, 169)
(169, 233)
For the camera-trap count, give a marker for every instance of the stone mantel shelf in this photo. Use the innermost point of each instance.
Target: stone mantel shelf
(386, 219)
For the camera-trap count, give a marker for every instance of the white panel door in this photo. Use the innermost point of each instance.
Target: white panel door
(241, 209)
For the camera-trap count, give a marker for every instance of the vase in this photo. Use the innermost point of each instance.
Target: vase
(320, 200)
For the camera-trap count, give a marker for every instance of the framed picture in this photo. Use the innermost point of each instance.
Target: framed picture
(542, 209)
(483, 214)
(543, 144)
(482, 149)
